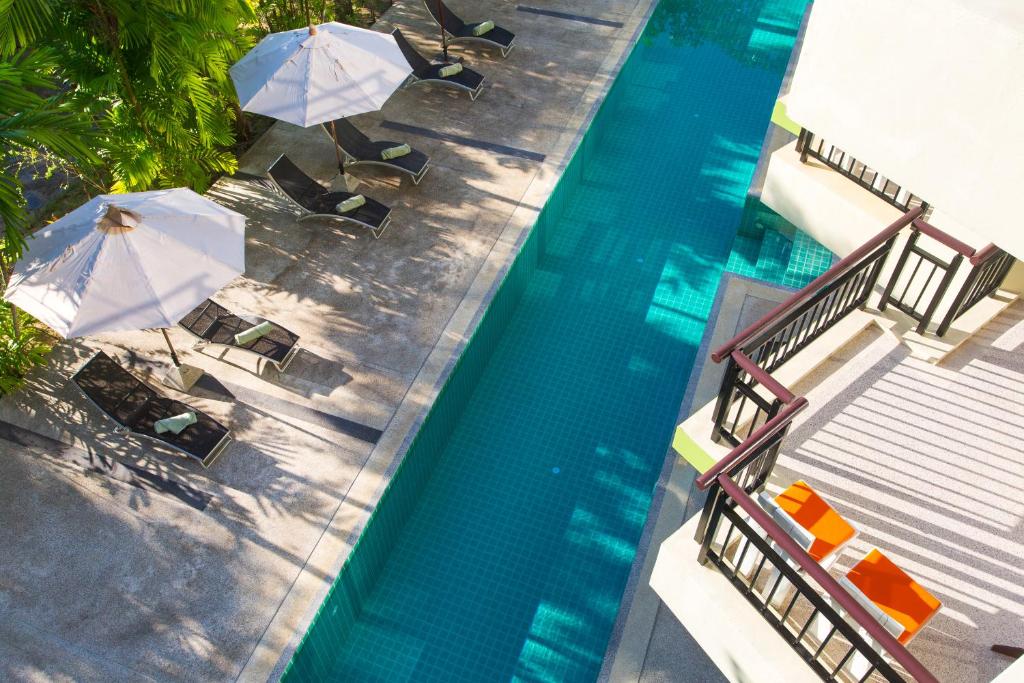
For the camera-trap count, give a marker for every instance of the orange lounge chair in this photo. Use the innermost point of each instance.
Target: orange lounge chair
(830, 531)
(898, 602)
(891, 590)
(811, 522)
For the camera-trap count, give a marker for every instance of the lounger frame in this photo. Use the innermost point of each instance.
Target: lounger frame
(418, 63)
(473, 92)
(281, 365)
(124, 429)
(455, 37)
(307, 214)
(350, 161)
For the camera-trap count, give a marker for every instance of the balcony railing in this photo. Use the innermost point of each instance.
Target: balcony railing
(815, 147)
(819, 619)
(808, 608)
(990, 267)
(917, 285)
(826, 626)
(921, 279)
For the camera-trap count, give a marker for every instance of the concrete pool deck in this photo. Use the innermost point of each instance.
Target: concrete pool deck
(120, 560)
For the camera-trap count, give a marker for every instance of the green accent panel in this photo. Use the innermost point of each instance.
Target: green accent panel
(692, 451)
(781, 119)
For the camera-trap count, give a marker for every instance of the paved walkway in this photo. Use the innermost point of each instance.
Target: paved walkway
(122, 561)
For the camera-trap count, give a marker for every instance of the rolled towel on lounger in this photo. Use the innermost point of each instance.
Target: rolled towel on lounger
(395, 152)
(350, 204)
(175, 423)
(483, 27)
(450, 70)
(253, 333)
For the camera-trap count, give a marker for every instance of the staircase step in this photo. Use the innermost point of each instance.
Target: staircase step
(774, 254)
(934, 349)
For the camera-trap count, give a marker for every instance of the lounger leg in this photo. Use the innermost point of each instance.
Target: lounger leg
(380, 231)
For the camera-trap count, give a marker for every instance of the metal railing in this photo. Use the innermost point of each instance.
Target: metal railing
(754, 412)
(917, 285)
(805, 605)
(990, 267)
(791, 326)
(815, 147)
(921, 279)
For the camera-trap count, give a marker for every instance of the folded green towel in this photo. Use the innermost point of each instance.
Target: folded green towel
(483, 27)
(253, 333)
(350, 204)
(395, 152)
(450, 70)
(175, 423)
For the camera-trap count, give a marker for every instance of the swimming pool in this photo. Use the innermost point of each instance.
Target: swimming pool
(502, 546)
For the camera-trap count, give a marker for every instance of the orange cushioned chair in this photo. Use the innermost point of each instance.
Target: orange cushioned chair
(831, 532)
(895, 593)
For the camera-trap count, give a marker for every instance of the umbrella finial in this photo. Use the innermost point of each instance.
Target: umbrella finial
(312, 29)
(117, 220)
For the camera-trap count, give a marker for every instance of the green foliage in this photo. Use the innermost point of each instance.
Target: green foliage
(153, 75)
(284, 15)
(33, 124)
(23, 345)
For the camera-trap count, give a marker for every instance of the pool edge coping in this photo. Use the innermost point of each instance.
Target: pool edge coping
(298, 607)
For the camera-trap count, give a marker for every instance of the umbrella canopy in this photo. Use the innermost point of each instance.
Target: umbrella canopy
(321, 73)
(129, 262)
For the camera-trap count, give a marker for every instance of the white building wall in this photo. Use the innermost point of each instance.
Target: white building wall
(928, 92)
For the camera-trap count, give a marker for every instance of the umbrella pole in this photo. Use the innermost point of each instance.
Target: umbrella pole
(174, 356)
(444, 39)
(337, 151)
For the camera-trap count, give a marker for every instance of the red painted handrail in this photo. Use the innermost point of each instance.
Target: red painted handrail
(906, 219)
(984, 254)
(944, 238)
(893, 647)
(757, 372)
(759, 436)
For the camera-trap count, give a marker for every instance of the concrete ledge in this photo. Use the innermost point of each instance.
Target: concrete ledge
(734, 635)
(932, 349)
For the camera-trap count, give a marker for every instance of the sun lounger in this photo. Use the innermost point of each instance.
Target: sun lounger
(901, 605)
(462, 31)
(424, 71)
(136, 408)
(316, 201)
(214, 324)
(359, 149)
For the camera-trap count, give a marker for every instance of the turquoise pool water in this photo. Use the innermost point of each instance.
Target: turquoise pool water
(503, 544)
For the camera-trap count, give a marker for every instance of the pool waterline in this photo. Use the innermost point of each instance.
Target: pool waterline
(503, 543)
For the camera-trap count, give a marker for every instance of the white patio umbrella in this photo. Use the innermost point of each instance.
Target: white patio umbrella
(129, 262)
(313, 75)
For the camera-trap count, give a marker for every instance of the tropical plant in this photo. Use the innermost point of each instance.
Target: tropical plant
(23, 345)
(154, 74)
(284, 15)
(38, 124)
(37, 119)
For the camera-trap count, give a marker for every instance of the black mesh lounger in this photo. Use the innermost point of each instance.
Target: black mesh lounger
(136, 408)
(318, 202)
(214, 324)
(359, 149)
(460, 30)
(425, 72)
